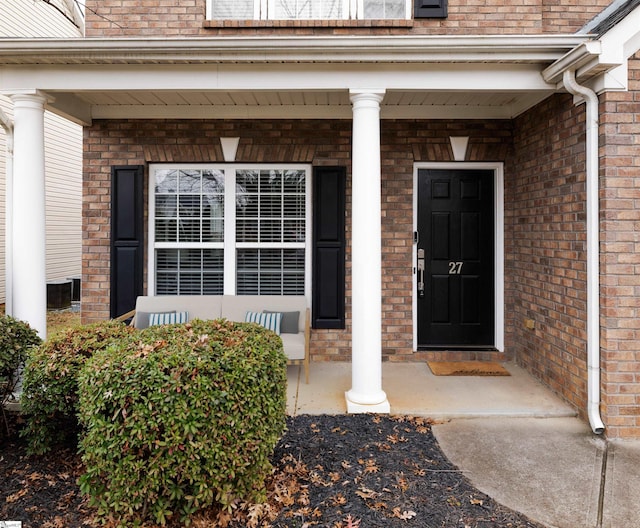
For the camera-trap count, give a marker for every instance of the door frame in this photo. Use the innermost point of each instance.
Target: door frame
(498, 222)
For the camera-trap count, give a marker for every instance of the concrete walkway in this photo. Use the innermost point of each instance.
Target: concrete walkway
(512, 437)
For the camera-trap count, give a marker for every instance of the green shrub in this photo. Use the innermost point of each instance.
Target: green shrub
(50, 389)
(185, 418)
(16, 339)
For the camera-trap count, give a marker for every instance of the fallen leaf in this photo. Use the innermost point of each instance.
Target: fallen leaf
(452, 501)
(351, 522)
(366, 493)
(339, 499)
(370, 466)
(404, 515)
(16, 496)
(403, 484)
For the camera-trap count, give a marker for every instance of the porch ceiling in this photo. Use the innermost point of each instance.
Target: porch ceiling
(397, 104)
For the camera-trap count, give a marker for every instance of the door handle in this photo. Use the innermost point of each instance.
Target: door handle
(420, 272)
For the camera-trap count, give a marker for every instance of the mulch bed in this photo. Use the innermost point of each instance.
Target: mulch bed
(357, 471)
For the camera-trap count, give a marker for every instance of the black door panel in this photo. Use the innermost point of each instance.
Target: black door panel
(456, 231)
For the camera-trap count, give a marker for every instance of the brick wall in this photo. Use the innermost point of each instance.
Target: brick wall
(126, 18)
(320, 142)
(546, 246)
(568, 16)
(620, 256)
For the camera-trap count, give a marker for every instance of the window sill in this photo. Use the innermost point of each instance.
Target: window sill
(270, 24)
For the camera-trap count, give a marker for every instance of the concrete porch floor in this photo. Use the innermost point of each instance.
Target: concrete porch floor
(412, 389)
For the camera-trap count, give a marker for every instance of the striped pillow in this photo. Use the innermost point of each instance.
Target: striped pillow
(270, 321)
(168, 318)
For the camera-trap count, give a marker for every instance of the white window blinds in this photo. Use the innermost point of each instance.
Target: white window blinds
(305, 9)
(257, 245)
(233, 9)
(309, 9)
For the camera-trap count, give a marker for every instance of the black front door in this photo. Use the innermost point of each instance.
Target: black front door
(455, 253)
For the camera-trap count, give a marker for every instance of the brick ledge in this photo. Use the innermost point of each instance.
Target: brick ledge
(294, 24)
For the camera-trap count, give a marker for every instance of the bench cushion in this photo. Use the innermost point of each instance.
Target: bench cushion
(293, 345)
(270, 321)
(234, 308)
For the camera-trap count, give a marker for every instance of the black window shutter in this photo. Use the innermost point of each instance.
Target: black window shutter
(127, 237)
(329, 247)
(430, 9)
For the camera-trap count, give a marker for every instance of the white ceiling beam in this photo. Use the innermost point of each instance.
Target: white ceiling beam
(276, 77)
(71, 107)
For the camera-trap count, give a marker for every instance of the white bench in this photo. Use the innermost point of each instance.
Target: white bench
(234, 308)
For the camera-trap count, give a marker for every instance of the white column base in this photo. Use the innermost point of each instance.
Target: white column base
(382, 407)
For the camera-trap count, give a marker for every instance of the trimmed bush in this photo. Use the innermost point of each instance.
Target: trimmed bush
(16, 339)
(50, 389)
(185, 418)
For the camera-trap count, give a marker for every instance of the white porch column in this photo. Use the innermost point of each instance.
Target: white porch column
(29, 268)
(366, 394)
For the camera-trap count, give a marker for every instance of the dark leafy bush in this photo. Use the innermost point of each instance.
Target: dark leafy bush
(50, 389)
(185, 418)
(16, 339)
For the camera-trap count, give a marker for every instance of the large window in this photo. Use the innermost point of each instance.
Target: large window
(228, 229)
(308, 9)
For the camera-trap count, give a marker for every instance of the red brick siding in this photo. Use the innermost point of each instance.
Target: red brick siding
(321, 142)
(620, 259)
(568, 16)
(126, 18)
(546, 245)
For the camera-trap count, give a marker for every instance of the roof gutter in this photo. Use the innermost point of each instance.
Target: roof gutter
(484, 48)
(576, 59)
(593, 250)
(7, 124)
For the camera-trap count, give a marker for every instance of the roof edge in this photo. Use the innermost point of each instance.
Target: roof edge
(485, 48)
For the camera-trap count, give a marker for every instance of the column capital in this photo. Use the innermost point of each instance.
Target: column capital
(360, 95)
(35, 98)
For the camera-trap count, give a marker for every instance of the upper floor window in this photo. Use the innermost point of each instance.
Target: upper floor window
(309, 9)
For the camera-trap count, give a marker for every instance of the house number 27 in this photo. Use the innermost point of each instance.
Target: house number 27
(455, 268)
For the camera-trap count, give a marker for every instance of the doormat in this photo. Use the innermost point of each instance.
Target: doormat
(467, 368)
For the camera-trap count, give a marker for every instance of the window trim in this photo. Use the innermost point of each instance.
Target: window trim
(353, 9)
(229, 245)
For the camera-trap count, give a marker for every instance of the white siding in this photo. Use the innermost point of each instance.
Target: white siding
(35, 18)
(63, 168)
(63, 146)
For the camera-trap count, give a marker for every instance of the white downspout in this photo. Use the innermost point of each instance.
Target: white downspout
(8, 214)
(593, 250)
